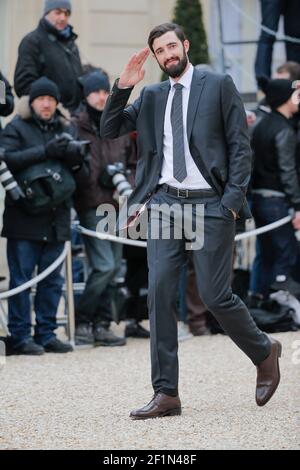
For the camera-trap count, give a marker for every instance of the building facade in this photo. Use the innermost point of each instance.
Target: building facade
(109, 32)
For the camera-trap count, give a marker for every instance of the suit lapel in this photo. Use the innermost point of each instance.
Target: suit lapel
(160, 109)
(195, 94)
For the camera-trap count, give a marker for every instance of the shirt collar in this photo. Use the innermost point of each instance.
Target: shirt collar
(186, 79)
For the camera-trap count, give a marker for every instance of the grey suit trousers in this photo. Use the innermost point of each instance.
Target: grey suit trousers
(213, 266)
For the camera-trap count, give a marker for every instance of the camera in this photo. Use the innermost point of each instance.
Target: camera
(78, 147)
(75, 147)
(114, 176)
(8, 181)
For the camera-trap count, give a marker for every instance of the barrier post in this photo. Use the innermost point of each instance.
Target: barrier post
(3, 322)
(70, 295)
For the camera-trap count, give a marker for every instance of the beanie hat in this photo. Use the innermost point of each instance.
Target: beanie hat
(95, 81)
(44, 87)
(53, 4)
(277, 91)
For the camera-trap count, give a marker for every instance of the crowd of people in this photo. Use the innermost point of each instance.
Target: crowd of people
(54, 150)
(56, 128)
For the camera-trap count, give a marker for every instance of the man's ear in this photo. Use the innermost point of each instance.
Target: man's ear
(186, 45)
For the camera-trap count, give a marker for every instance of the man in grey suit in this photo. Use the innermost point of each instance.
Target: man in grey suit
(193, 149)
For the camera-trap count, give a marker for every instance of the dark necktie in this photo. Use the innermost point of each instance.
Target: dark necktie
(179, 167)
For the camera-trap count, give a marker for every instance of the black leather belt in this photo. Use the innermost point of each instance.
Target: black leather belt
(186, 193)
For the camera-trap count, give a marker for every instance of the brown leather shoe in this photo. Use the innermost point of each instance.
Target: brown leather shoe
(160, 405)
(268, 374)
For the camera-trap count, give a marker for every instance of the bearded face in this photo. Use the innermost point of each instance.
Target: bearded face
(171, 54)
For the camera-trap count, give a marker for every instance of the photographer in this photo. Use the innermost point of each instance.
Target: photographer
(35, 226)
(104, 256)
(6, 108)
(51, 50)
(275, 189)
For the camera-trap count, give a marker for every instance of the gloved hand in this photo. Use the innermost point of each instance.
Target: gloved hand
(76, 154)
(56, 148)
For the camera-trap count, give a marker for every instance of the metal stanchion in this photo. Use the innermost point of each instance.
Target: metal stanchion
(3, 323)
(70, 295)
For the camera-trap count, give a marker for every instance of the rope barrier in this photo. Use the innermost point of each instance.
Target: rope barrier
(266, 228)
(110, 238)
(127, 241)
(37, 279)
(124, 241)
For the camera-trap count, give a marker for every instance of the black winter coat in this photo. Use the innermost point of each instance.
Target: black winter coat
(274, 144)
(44, 53)
(24, 140)
(6, 108)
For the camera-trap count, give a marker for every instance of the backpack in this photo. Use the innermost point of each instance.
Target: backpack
(45, 185)
(272, 317)
(269, 316)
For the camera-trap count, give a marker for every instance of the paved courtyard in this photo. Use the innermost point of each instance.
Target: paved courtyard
(82, 400)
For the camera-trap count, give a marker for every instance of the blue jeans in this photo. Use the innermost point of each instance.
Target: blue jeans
(270, 12)
(23, 256)
(277, 252)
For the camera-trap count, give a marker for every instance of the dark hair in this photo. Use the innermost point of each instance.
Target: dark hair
(163, 29)
(293, 68)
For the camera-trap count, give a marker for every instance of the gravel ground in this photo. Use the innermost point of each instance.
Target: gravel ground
(82, 400)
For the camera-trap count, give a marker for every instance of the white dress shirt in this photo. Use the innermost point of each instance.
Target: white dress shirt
(194, 179)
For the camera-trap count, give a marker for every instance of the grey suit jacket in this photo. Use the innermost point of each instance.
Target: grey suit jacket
(217, 133)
